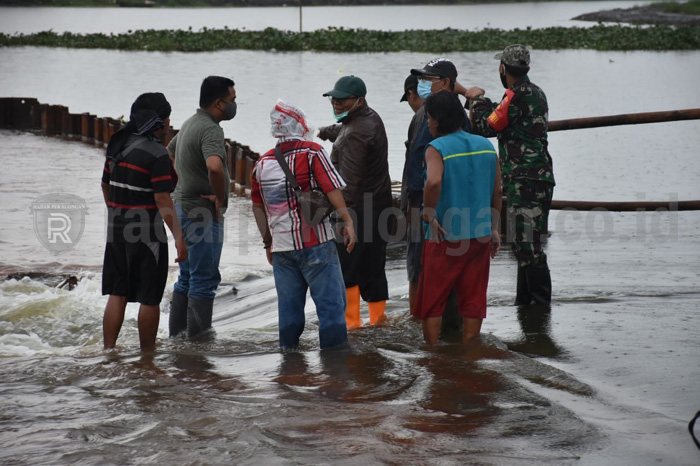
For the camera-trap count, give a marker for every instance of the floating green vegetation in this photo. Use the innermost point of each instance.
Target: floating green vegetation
(691, 7)
(598, 37)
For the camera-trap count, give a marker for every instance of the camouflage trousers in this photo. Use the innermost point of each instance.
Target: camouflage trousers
(529, 202)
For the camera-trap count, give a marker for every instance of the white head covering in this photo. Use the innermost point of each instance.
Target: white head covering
(289, 121)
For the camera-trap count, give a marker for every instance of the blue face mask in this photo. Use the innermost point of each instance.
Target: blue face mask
(424, 89)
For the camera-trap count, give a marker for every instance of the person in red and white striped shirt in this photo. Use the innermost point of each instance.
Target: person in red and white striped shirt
(303, 257)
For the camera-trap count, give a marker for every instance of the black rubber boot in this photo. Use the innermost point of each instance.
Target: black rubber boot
(540, 284)
(177, 322)
(523, 297)
(199, 312)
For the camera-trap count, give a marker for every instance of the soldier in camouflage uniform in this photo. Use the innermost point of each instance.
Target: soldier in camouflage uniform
(519, 122)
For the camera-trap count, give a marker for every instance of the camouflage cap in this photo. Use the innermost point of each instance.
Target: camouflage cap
(515, 55)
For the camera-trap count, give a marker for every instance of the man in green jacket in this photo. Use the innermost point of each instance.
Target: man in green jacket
(360, 154)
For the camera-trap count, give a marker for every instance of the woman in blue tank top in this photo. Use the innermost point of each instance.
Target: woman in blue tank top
(462, 204)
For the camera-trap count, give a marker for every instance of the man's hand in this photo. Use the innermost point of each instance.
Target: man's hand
(182, 251)
(437, 233)
(268, 253)
(349, 236)
(218, 204)
(474, 92)
(495, 243)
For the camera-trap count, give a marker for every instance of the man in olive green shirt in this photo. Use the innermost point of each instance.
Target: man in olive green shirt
(201, 198)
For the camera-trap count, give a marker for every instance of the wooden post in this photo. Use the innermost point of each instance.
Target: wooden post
(105, 131)
(240, 167)
(66, 125)
(19, 113)
(625, 206)
(113, 126)
(58, 113)
(97, 131)
(75, 126)
(249, 163)
(624, 119)
(45, 119)
(87, 127)
(5, 112)
(230, 160)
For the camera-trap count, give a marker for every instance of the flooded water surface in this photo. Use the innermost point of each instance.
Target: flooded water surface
(382, 17)
(608, 376)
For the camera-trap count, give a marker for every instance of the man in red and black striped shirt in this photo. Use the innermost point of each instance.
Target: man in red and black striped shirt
(136, 185)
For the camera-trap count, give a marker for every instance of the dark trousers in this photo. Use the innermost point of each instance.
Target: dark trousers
(364, 266)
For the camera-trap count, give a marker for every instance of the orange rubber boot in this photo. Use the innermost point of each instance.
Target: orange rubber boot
(352, 311)
(376, 312)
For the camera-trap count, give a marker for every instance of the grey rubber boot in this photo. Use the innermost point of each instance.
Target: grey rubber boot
(177, 322)
(199, 312)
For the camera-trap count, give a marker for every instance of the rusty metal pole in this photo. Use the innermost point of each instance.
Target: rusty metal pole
(624, 119)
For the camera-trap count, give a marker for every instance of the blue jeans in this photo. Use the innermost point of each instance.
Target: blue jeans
(199, 274)
(318, 270)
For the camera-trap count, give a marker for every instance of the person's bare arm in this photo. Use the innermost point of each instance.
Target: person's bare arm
(263, 228)
(431, 193)
(105, 193)
(167, 212)
(215, 168)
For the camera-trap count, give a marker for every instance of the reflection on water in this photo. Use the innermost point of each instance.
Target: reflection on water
(535, 324)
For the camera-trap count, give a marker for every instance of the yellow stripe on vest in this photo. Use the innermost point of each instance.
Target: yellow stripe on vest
(469, 153)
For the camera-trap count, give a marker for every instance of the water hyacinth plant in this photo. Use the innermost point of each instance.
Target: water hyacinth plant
(332, 39)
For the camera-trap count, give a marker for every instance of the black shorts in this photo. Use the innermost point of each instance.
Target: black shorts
(136, 271)
(364, 266)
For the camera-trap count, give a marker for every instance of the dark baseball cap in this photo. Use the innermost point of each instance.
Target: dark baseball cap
(410, 83)
(438, 67)
(348, 86)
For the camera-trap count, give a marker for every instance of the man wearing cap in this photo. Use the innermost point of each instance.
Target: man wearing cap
(410, 95)
(519, 122)
(360, 153)
(437, 75)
